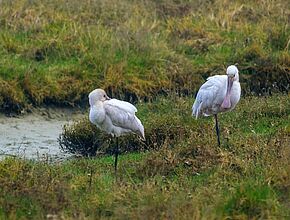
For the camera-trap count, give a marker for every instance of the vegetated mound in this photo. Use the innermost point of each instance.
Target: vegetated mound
(257, 128)
(55, 53)
(162, 120)
(84, 138)
(175, 139)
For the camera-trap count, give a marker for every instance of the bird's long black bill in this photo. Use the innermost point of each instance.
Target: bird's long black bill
(116, 156)
(217, 130)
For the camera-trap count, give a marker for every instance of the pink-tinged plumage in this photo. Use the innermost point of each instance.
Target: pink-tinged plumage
(215, 96)
(114, 117)
(220, 93)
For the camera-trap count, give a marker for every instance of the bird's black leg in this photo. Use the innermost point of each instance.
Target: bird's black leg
(217, 129)
(116, 155)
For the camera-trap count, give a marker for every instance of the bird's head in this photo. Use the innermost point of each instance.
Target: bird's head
(97, 95)
(233, 75)
(233, 72)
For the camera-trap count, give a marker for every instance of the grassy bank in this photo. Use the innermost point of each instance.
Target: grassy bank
(55, 52)
(187, 177)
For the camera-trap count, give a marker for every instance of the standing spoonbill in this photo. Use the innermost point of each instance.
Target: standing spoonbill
(220, 93)
(113, 116)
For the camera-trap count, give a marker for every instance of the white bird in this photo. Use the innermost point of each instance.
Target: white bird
(220, 93)
(114, 117)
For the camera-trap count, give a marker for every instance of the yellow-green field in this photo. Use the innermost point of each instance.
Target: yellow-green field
(155, 54)
(55, 52)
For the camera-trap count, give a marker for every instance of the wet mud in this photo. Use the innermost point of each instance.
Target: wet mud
(34, 135)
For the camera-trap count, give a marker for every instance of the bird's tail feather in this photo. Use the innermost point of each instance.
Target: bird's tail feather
(140, 130)
(196, 109)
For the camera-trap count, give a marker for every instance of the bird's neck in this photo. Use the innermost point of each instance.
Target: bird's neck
(97, 104)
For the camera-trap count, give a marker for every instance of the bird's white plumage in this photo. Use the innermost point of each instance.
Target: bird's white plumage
(114, 116)
(212, 93)
(232, 70)
(122, 105)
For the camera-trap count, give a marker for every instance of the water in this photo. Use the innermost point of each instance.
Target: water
(34, 135)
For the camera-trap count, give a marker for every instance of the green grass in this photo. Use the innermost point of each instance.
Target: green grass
(185, 177)
(57, 52)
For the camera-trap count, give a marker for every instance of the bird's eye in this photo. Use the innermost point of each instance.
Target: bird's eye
(105, 96)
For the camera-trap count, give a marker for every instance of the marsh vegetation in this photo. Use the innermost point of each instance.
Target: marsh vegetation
(179, 172)
(56, 52)
(154, 54)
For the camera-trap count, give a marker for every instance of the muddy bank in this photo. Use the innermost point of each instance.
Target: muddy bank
(34, 135)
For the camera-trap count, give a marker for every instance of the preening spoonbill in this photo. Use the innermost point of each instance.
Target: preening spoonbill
(220, 93)
(114, 117)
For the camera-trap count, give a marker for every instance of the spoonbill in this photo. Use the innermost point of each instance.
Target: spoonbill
(220, 93)
(114, 117)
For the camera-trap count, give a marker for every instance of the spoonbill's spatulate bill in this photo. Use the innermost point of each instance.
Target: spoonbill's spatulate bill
(114, 117)
(220, 93)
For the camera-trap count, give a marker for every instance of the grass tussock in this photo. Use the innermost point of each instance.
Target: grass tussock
(11, 97)
(57, 52)
(84, 138)
(187, 176)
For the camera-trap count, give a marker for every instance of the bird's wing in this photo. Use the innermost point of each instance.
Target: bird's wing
(122, 105)
(122, 114)
(217, 80)
(214, 81)
(210, 93)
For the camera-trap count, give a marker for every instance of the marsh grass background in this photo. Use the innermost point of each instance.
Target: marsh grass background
(55, 52)
(155, 54)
